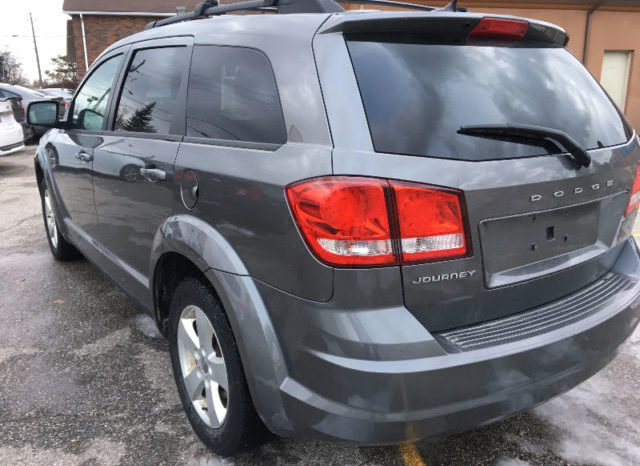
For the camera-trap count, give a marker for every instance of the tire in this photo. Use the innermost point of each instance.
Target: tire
(193, 307)
(61, 249)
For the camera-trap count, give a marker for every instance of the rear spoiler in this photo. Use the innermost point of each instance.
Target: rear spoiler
(438, 26)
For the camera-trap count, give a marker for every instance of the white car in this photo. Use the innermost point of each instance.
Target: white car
(11, 135)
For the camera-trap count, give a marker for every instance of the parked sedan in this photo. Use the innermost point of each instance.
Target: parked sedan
(11, 135)
(20, 116)
(66, 94)
(29, 95)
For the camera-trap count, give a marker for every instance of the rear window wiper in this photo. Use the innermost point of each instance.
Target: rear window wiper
(529, 134)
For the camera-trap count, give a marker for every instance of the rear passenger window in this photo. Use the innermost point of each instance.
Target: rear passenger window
(233, 96)
(148, 99)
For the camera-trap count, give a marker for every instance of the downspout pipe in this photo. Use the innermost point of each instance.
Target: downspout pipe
(84, 44)
(587, 30)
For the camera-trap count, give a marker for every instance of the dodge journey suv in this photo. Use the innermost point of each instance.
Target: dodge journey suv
(372, 227)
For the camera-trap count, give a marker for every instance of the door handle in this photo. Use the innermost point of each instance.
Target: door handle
(153, 174)
(82, 155)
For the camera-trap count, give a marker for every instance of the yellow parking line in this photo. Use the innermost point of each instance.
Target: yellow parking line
(411, 456)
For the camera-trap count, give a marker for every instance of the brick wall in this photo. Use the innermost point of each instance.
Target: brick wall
(102, 31)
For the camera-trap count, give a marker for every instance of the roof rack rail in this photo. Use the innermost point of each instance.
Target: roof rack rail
(213, 8)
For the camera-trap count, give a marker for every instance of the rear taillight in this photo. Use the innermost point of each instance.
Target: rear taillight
(634, 197)
(431, 223)
(500, 28)
(356, 222)
(344, 220)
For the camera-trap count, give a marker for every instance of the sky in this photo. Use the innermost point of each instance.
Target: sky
(51, 30)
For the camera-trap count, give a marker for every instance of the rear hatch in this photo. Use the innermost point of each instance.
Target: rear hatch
(542, 223)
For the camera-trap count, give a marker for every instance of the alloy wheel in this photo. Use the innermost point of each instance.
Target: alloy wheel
(203, 367)
(50, 217)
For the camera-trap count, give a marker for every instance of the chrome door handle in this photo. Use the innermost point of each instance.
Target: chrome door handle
(153, 174)
(82, 155)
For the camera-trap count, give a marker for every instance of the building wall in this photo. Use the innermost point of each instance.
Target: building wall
(102, 31)
(617, 31)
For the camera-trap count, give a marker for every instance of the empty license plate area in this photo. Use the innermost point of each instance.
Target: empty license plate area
(527, 246)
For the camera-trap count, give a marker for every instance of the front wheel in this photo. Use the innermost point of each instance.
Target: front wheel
(208, 371)
(60, 247)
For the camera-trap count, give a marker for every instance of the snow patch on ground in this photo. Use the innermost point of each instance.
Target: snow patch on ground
(146, 325)
(511, 462)
(633, 346)
(591, 427)
(7, 353)
(526, 445)
(105, 344)
(101, 451)
(212, 461)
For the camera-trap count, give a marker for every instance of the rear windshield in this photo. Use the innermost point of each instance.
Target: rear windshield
(417, 96)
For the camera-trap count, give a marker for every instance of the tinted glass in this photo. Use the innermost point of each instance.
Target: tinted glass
(149, 95)
(12, 95)
(233, 95)
(417, 96)
(90, 105)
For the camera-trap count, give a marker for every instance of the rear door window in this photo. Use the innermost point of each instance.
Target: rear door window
(417, 96)
(232, 95)
(148, 101)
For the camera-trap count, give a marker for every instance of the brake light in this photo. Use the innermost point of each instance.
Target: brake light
(357, 221)
(634, 197)
(500, 28)
(344, 220)
(431, 223)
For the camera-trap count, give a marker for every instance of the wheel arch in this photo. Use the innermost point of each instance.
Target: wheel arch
(185, 245)
(39, 172)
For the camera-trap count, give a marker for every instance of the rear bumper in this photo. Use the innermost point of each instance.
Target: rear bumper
(351, 385)
(11, 139)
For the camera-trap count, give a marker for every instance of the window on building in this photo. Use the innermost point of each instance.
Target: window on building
(615, 75)
(233, 95)
(148, 99)
(90, 104)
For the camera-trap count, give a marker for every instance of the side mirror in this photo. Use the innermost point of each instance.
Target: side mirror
(43, 113)
(90, 119)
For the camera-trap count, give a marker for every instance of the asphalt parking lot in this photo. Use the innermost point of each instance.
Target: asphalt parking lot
(85, 379)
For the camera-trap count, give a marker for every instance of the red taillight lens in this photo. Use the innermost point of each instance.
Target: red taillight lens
(634, 197)
(350, 221)
(431, 223)
(500, 28)
(344, 220)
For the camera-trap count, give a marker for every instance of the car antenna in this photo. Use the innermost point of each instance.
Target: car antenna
(453, 6)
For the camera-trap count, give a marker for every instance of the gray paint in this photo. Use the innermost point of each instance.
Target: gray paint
(300, 325)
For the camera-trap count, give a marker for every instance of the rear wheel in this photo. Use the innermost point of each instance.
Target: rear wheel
(208, 371)
(60, 247)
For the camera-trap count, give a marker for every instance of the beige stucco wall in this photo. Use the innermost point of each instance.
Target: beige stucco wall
(618, 30)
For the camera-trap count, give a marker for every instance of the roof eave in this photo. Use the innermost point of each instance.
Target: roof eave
(117, 13)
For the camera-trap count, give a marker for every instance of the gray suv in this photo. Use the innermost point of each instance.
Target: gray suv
(371, 227)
